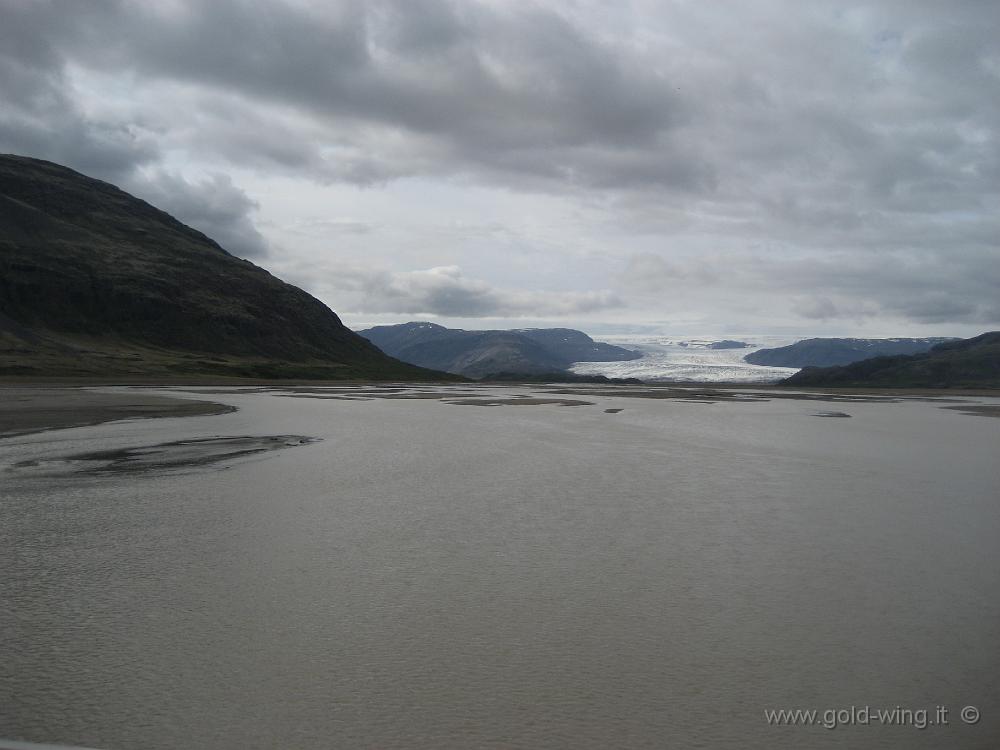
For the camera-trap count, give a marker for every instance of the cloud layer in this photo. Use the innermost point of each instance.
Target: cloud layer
(445, 292)
(797, 162)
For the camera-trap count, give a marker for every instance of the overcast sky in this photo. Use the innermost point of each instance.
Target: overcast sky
(805, 168)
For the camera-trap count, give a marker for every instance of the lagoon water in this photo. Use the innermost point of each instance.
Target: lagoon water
(443, 575)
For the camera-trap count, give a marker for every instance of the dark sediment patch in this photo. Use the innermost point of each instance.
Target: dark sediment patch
(331, 397)
(178, 454)
(373, 393)
(520, 402)
(422, 395)
(27, 410)
(241, 391)
(978, 410)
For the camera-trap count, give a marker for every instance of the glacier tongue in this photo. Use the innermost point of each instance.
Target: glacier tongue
(688, 359)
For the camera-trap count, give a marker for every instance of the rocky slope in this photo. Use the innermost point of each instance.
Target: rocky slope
(95, 282)
(479, 354)
(831, 352)
(973, 363)
(576, 346)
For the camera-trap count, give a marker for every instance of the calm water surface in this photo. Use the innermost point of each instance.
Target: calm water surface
(446, 576)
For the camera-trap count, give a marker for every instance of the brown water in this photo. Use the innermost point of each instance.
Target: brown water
(438, 575)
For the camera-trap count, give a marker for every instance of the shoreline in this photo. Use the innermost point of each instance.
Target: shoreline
(11, 382)
(58, 403)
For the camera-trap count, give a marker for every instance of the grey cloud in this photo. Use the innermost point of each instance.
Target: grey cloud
(333, 226)
(652, 273)
(214, 206)
(41, 118)
(444, 291)
(98, 149)
(817, 308)
(865, 131)
(489, 87)
(531, 94)
(920, 287)
(942, 306)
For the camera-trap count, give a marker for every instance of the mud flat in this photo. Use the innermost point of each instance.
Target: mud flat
(981, 410)
(178, 454)
(25, 410)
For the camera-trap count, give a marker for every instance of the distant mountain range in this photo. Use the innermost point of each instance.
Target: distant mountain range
(95, 282)
(479, 354)
(971, 362)
(833, 352)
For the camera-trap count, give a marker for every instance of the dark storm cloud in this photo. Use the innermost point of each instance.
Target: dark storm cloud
(519, 90)
(214, 206)
(525, 89)
(41, 118)
(861, 131)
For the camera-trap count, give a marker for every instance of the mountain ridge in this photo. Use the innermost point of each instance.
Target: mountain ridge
(973, 362)
(488, 353)
(830, 352)
(94, 281)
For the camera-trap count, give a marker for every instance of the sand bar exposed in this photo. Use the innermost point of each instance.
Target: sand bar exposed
(27, 410)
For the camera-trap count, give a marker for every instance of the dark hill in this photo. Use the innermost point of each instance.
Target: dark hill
(971, 362)
(96, 282)
(576, 346)
(479, 354)
(396, 338)
(830, 352)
